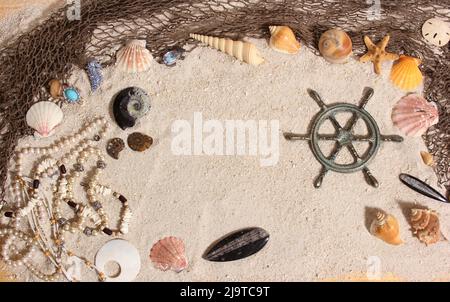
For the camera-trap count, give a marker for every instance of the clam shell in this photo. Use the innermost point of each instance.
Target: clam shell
(413, 115)
(44, 117)
(425, 225)
(427, 158)
(386, 228)
(124, 254)
(134, 57)
(283, 40)
(129, 105)
(336, 46)
(237, 245)
(243, 51)
(436, 32)
(405, 73)
(169, 254)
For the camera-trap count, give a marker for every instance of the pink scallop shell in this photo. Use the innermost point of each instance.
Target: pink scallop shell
(169, 254)
(413, 115)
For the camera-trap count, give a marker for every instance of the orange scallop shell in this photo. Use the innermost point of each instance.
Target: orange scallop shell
(405, 73)
(169, 254)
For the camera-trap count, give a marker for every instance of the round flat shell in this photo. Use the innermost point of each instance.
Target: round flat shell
(124, 254)
(436, 32)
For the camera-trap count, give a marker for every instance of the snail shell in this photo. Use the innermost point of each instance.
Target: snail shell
(283, 40)
(386, 228)
(425, 225)
(243, 51)
(129, 105)
(335, 46)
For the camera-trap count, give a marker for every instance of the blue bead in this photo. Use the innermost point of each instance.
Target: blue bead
(71, 95)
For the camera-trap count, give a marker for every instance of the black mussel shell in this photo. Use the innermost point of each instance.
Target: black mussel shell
(237, 245)
(421, 187)
(129, 105)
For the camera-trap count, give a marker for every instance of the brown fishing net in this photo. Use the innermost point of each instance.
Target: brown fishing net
(29, 62)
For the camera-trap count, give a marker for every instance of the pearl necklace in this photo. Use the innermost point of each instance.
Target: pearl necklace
(38, 206)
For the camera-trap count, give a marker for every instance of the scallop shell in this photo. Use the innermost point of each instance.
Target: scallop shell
(44, 117)
(336, 46)
(436, 32)
(243, 51)
(425, 225)
(413, 115)
(283, 40)
(129, 105)
(168, 253)
(134, 57)
(405, 73)
(386, 228)
(427, 158)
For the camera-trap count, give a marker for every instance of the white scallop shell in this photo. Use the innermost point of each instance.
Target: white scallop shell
(436, 32)
(44, 117)
(134, 57)
(413, 115)
(124, 254)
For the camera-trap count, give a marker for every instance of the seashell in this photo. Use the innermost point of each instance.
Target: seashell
(405, 73)
(44, 117)
(386, 228)
(139, 142)
(422, 188)
(94, 71)
(237, 245)
(168, 254)
(427, 158)
(71, 95)
(129, 105)
(336, 46)
(436, 32)
(114, 147)
(124, 254)
(283, 40)
(413, 115)
(56, 88)
(171, 57)
(425, 225)
(134, 57)
(243, 51)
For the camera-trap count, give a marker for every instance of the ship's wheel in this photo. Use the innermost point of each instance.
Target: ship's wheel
(344, 137)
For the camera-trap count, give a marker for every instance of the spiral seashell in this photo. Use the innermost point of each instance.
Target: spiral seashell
(335, 46)
(168, 253)
(413, 115)
(283, 40)
(386, 228)
(129, 105)
(44, 117)
(425, 225)
(134, 57)
(243, 51)
(405, 73)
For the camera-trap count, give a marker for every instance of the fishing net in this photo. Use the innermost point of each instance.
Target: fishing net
(31, 60)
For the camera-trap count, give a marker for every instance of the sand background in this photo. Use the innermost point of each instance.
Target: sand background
(315, 234)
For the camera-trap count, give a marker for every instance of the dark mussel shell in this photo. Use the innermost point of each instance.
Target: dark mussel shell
(237, 245)
(129, 105)
(421, 187)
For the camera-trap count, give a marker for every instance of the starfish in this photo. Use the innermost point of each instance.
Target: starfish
(377, 53)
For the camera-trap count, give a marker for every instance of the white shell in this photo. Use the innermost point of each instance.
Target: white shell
(44, 117)
(134, 57)
(124, 254)
(436, 32)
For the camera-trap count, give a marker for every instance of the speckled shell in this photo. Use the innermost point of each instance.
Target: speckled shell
(44, 117)
(386, 228)
(405, 73)
(335, 46)
(283, 40)
(413, 115)
(134, 57)
(243, 51)
(169, 254)
(425, 225)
